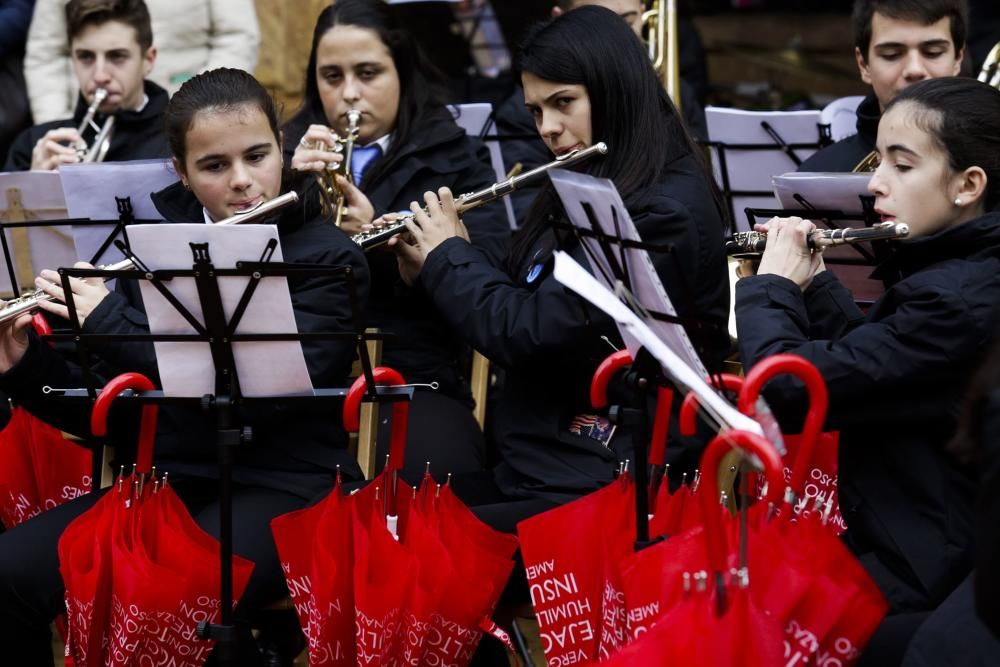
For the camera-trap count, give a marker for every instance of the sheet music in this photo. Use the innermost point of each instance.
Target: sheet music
(824, 190)
(474, 118)
(575, 190)
(34, 248)
(751, 170)
(91, 188)
(576, 278)
(268, 368)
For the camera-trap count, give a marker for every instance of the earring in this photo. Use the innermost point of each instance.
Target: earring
(958, 202)
(186, 185)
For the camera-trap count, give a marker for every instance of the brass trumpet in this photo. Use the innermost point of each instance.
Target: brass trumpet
(466, 202)
(744, 245)
(98, 148)
(28, 303)
(990, 73)
(331, 196)
(660, 26)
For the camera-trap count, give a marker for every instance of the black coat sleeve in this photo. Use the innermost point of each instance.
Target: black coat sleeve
(922, 338)
(830, 307)
(19, 154)
(507, 323)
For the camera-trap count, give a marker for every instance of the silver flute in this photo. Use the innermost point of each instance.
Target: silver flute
(377, 237)
(752, 244)
(28, 303)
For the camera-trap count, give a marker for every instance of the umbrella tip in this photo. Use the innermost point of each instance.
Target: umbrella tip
(447, 480)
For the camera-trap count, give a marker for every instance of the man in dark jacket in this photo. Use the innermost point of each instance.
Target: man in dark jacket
(111, 46)
(896, 43)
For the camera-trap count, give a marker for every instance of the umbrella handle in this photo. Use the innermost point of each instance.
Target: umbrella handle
(147, 425)
(400, 412)
(602, 376)
(611, 365)
(799, 367)
(751, 443)
(689, 408)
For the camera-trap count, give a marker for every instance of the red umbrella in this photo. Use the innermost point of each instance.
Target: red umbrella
(367, 594)
(843, 605)
(140, 574)
(716, 623)
(40, 468)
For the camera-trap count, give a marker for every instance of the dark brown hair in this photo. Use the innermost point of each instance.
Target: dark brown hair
(924, 12)
(81, 14)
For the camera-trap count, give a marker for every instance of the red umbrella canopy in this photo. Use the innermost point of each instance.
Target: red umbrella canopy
(568, 553)
(140, 574)
(39, 468)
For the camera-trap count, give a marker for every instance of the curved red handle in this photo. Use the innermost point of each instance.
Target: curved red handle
(602, 376)
(795, 365)
(715, 532)
(147, 425)
(689, 408)
(400, 412)
(41, 325)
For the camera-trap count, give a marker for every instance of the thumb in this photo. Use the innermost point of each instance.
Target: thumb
(351, 192)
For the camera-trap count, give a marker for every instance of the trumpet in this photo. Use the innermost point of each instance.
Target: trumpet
(98, 148)
(330, 193)
(990, 73)
(28, 303)
(466, 202)
(660, 23)
(751, 244)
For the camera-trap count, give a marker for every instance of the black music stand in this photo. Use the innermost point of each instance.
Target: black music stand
(119, 226)
(219, 331)
(611, 242)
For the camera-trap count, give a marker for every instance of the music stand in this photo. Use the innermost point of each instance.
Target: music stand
(218, 328)
(747, 147)
(626, 286)
(833, 201)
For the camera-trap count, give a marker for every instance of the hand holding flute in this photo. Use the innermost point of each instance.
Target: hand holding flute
(787, 252)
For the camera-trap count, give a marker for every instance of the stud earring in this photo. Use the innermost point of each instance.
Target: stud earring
(958, 202)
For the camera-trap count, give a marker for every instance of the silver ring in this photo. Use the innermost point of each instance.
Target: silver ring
(303, 142)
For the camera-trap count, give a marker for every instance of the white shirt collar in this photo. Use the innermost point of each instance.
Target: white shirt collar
(208, 218)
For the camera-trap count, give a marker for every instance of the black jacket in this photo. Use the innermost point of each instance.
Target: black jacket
(845, 155)
(137, 135)
(550, 340)
(439, 153)
(896, 378)
(291, 443)
(520, 143)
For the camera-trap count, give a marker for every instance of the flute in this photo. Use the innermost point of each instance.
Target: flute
(752, 244)
(28, 303)
(466, 202)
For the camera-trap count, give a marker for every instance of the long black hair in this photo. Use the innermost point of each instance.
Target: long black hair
(630, 110)
(421, 93)
(963, 117)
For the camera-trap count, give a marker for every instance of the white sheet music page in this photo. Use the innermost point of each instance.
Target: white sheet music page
(34, 195)
(750, 170)
(579, 192)
(824, 190)
(268, 368)
(575, 277)
(91, 188)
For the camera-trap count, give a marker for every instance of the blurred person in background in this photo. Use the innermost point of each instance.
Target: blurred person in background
(192, 36)
(15, 114)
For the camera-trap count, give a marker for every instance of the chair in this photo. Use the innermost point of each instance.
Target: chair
(841, 116)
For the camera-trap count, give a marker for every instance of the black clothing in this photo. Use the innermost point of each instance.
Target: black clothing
(137, 135)
(520, 143)
(845, 155)
(953, 635)
(550, 341)
(423, 348)
(896, 378)
(438, 154)
(311, 439)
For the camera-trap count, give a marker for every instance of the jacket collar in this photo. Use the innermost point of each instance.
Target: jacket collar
(152, 112)
(869, 114)
(970, 240)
